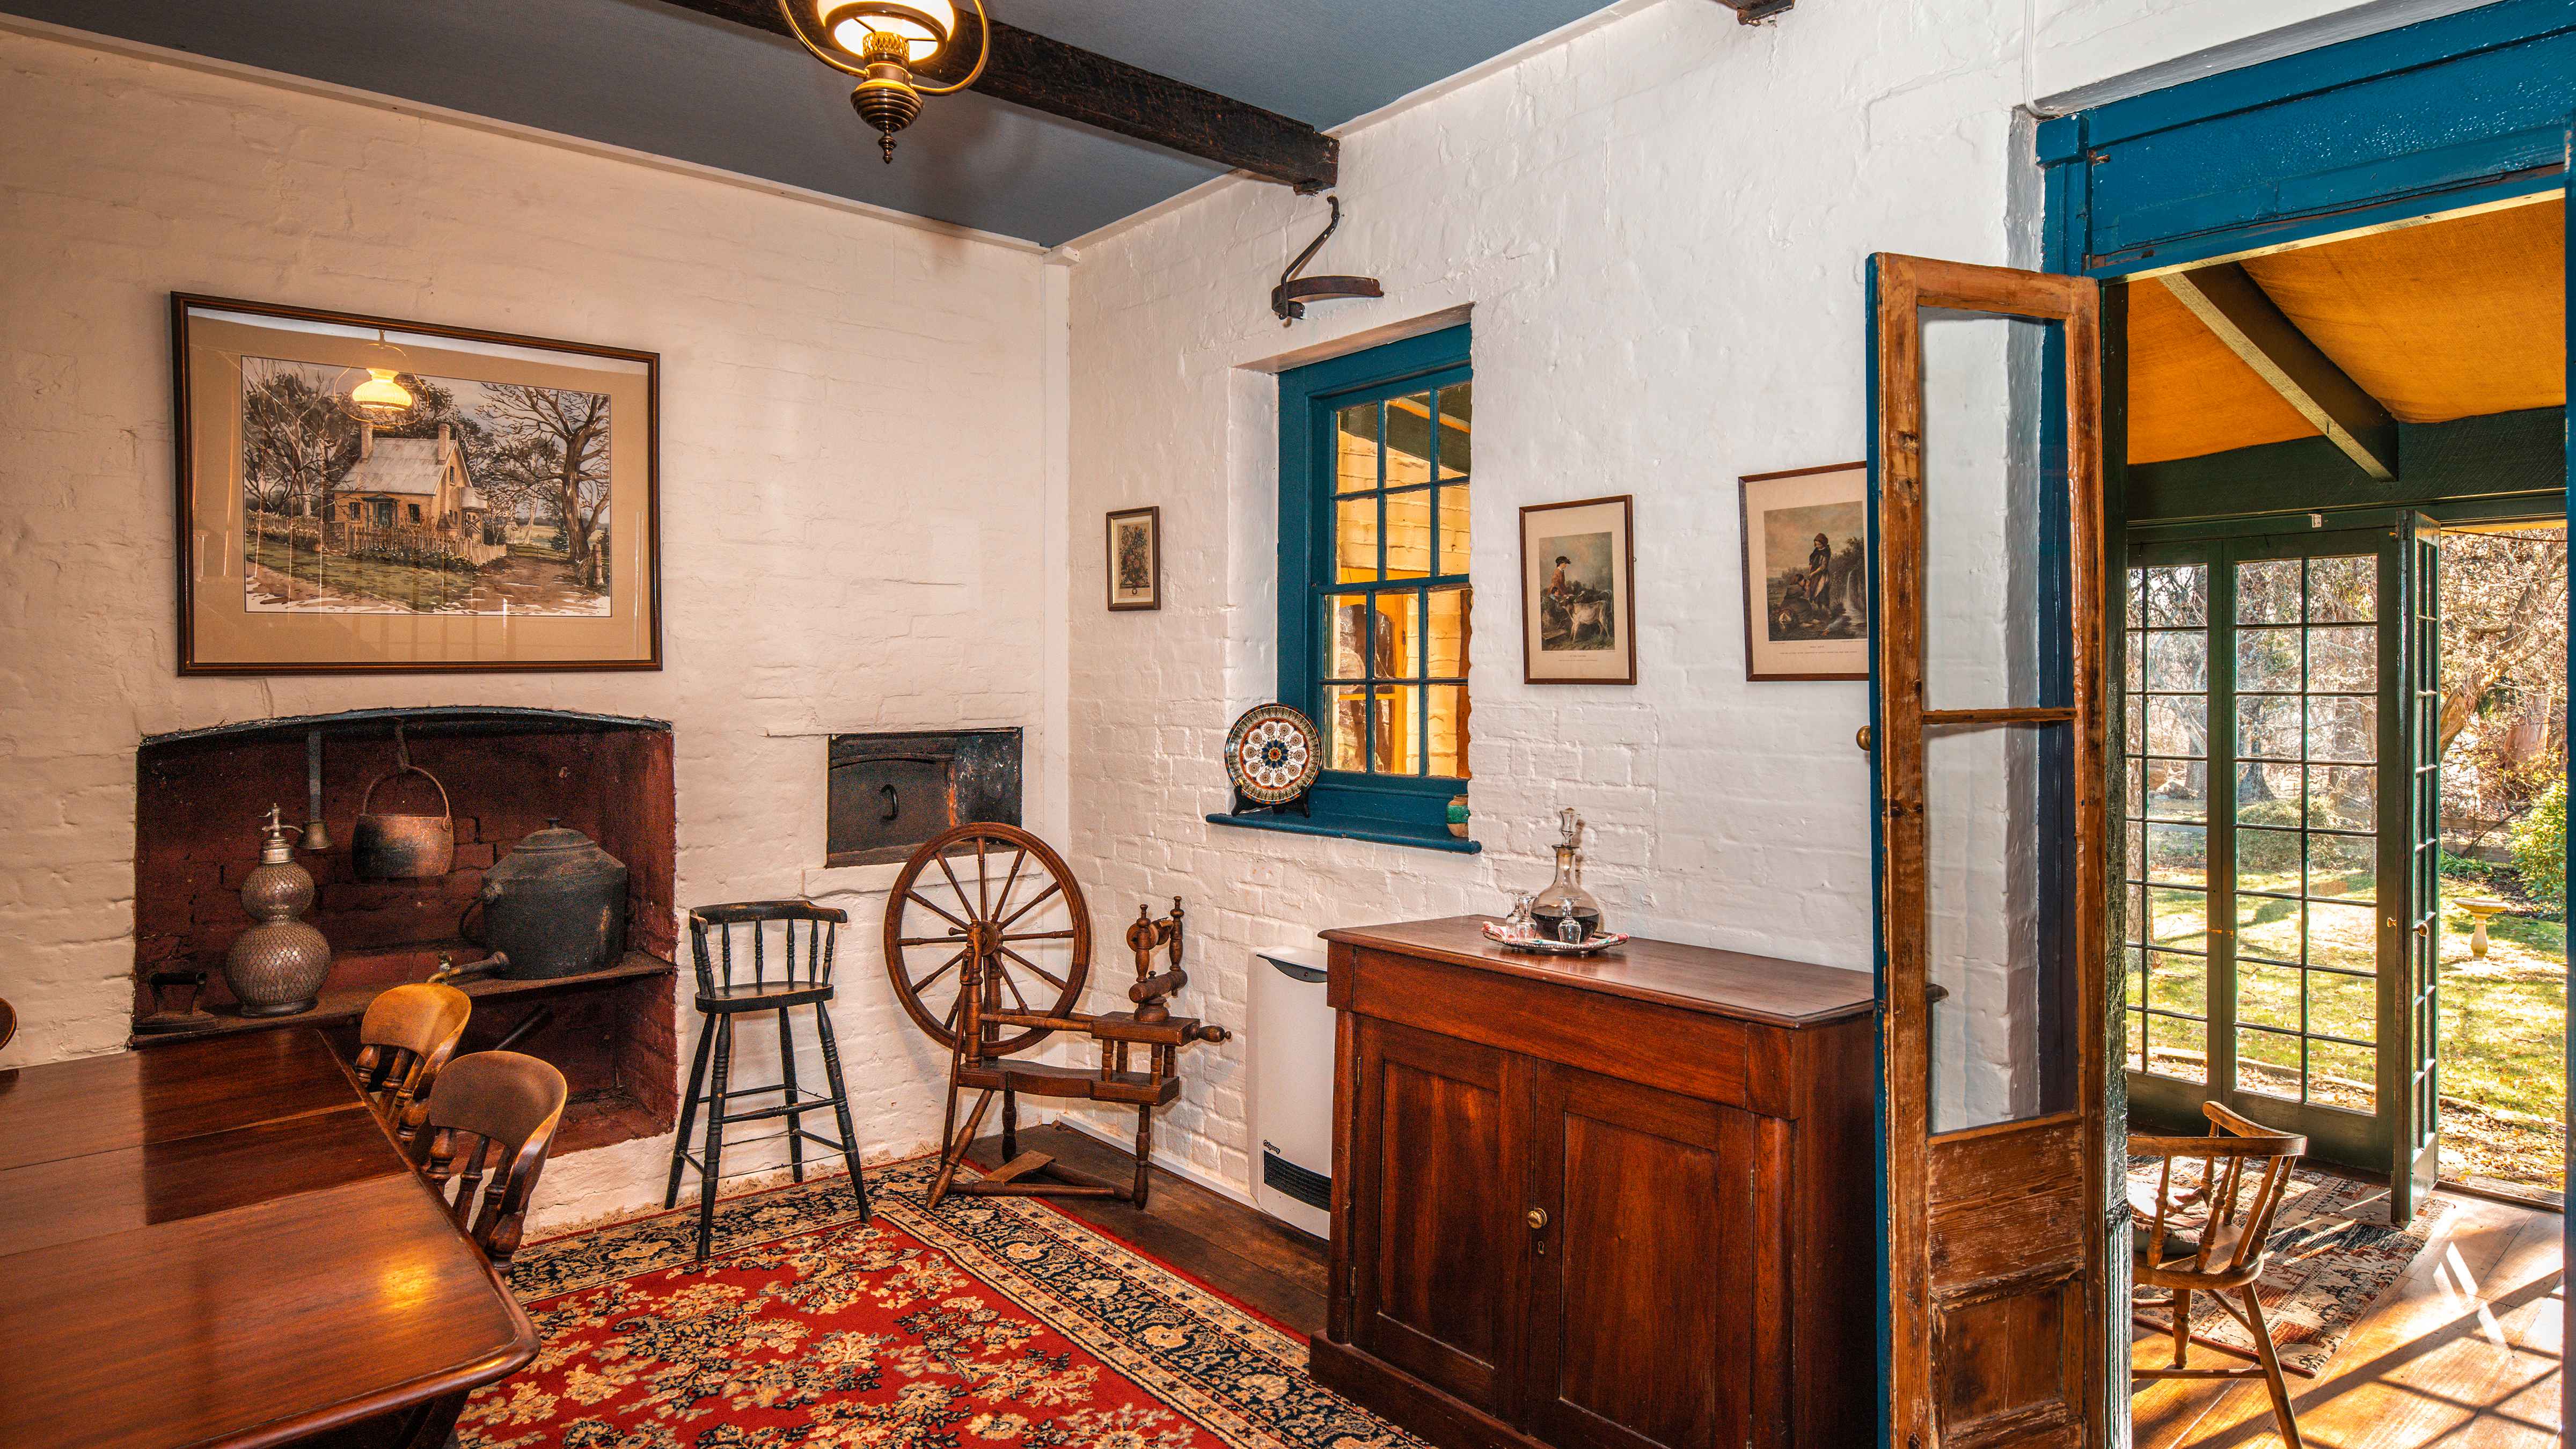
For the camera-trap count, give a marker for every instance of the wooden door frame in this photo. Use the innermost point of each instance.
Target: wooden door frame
(1902, 288)
(2466, 110)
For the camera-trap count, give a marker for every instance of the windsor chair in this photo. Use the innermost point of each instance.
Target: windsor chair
(792, 980)
(404, 1041)
(492, 1113)
(2225, 1256)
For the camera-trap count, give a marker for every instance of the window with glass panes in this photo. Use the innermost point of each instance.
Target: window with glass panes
(2167, 807)
(1377, 467)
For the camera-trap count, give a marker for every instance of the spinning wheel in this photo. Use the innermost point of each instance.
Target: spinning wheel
(974, 965)
(997, 892)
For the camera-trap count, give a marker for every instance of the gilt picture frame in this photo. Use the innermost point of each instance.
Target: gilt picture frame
(1135, 559)
(371, 495)
(1579, 591)
(1805, 535)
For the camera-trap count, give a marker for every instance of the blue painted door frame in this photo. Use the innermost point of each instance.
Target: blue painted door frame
(2469, 109)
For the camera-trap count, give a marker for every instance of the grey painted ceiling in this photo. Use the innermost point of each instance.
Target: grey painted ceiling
(641, 74)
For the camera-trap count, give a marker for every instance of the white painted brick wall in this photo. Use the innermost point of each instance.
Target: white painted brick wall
(853, 491)
(1660, 225)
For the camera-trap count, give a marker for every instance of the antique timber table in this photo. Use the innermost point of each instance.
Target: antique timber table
(216, 1245)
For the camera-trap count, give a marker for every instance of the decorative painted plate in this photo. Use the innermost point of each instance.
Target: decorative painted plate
(1273, 754)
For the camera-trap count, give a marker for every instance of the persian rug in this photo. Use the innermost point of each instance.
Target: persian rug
(2333, 1253)
(991, 1322)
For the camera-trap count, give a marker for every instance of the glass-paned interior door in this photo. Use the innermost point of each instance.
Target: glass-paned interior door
(2279, 838)
(1989, 753)
(2311, 621)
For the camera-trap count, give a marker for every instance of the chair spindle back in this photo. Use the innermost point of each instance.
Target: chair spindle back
(2238, 1152)
(492, 1112)
(721, 963)
(404, 1040)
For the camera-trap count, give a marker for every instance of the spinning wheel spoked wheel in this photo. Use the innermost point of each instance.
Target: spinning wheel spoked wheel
(995, 966)
(1000, 891)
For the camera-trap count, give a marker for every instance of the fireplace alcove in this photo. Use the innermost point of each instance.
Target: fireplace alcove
(202, 795)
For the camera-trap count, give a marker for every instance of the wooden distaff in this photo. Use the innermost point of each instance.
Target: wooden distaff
(1144, 938)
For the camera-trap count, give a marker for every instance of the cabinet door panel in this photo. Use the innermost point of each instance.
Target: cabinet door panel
(1442, 1237)
(1638, 1327)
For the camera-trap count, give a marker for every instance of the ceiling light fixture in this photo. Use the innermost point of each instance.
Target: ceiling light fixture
(882, 42)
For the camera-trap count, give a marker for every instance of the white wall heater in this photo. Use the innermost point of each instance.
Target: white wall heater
(1292, 1088)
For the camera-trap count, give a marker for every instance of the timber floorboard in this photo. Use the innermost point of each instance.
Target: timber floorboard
(2462, 1351)
(1246, 1255)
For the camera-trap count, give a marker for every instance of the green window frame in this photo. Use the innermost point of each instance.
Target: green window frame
(1393, 796)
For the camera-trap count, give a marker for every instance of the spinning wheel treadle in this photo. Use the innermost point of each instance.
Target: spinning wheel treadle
(971, 965)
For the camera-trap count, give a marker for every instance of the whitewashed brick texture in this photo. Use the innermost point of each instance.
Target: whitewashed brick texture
(851, 479)
(1660, 226)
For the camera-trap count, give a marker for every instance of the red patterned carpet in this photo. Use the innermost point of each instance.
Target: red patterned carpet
(993, 1322)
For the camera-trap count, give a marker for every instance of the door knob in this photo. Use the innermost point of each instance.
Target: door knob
(1537, 1219)
(1862, 739)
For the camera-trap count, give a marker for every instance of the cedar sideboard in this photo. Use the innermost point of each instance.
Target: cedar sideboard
(1610, 1202)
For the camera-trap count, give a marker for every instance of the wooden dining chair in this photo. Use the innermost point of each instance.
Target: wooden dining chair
(404, 1040)
(2224, 1255)
(495, 1113)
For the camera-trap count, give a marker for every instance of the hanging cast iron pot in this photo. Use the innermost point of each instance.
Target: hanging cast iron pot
(556, 906)
(403, 847)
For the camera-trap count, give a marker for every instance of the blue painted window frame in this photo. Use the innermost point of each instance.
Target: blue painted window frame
(1394, 809)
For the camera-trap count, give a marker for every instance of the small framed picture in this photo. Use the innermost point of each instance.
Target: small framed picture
(1136, 559)
(1578, 592)
(1806, 573)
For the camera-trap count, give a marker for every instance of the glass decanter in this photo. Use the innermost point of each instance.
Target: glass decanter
(1564, 910)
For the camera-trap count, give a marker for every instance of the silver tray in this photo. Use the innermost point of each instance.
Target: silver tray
(1549, 946)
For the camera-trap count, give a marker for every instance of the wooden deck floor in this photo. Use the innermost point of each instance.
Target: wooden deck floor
(2463, 1354)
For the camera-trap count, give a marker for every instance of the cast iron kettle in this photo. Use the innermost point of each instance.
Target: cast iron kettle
(556, 906)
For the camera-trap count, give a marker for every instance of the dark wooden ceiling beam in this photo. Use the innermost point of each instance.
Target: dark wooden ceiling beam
(1028, 69)
(2242, 315)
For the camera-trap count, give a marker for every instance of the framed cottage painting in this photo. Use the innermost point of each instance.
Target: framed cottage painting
(1578, 592)
(1806, 573)
(359, 494)
(1136, 559)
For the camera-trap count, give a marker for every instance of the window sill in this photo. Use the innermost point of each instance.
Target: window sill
(1382, 833)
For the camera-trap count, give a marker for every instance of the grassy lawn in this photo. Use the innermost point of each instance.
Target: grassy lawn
(2504, 1022)
(411, 586)
(2503, 1015)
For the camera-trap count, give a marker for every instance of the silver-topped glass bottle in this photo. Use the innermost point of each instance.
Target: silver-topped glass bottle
(1564, 910)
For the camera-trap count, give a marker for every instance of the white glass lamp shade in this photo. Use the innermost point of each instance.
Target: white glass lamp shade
(849, 22)
(372, 391)
(381, 392)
